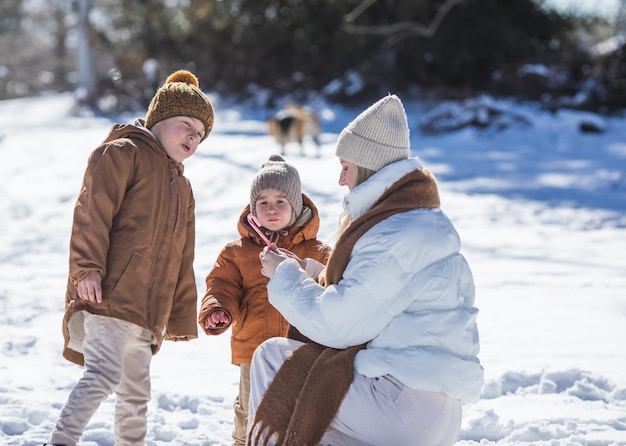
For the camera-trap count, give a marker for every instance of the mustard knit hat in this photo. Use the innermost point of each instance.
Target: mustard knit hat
(180, 96)
(276, 174)
(377, 137)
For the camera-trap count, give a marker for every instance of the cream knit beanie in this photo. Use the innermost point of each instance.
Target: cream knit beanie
(377, 137)
(276, 174)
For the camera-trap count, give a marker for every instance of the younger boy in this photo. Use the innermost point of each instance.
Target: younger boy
(236, 294)
(131, 280)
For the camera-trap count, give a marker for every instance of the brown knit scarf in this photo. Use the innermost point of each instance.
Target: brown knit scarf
(308, 389)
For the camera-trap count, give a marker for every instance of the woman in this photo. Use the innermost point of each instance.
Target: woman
(386, 344)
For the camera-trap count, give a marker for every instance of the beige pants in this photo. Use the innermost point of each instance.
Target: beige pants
(117, 359)
(241, 406)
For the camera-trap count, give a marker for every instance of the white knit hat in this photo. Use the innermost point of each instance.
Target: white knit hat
(276, 174)
(377, 137)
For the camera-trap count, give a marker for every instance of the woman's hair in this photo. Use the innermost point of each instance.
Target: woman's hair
(362, 175)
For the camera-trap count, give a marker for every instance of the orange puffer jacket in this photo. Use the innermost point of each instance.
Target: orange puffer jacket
(236, 285)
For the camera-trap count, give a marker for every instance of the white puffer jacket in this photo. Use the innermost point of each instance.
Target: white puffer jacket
(407, 290)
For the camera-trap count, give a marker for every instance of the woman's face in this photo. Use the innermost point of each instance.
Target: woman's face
(348, 174)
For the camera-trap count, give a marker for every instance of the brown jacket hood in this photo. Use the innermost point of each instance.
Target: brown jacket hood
(134, 224)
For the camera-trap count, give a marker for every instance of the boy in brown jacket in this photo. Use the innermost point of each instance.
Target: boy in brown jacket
(131, 280)
(236, 294)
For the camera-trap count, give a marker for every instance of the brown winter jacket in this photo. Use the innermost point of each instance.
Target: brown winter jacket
(134, 224)
(236, 285)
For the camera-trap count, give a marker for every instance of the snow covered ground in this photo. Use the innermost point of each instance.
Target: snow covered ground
(540, 207)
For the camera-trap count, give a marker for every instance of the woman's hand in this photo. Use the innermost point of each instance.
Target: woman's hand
(270, 260)
(291, 255)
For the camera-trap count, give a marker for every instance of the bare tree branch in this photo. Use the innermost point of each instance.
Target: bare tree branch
(356, 12)
(407, 28)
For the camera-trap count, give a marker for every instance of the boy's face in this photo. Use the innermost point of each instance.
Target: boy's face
(273, 210)
(179, 135)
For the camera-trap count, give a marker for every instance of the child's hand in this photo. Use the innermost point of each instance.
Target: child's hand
(90, 288)
(216, 319)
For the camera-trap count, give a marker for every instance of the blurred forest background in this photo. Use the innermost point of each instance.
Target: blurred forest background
(114, 53)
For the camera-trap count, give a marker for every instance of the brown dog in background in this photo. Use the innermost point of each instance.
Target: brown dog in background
(294, 123)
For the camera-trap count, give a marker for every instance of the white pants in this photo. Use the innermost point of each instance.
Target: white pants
(117, 359)
(376, 411)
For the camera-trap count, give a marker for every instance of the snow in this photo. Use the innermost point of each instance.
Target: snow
(540, 207)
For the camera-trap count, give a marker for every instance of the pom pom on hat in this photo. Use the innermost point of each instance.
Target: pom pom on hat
(276, 174)
(181, 96)
(377, 137)
(183, 76)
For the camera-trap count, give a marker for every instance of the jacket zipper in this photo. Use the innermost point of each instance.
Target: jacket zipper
(171, 190)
